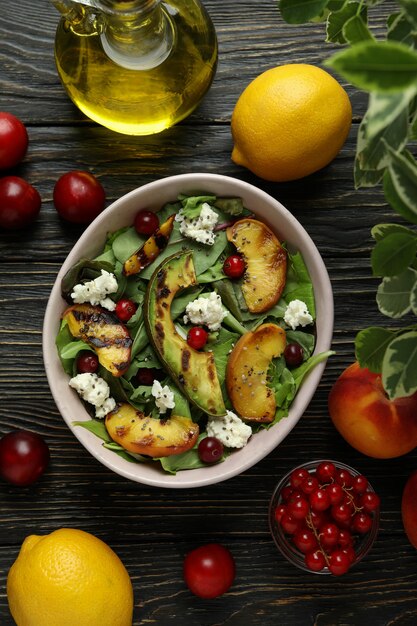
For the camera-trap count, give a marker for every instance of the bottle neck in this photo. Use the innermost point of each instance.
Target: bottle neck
(137, 34)
(126, 7)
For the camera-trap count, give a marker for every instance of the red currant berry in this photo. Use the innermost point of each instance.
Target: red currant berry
(87, 362)
(344, 478)
(341, 512)
(318, 518)
(197, 337)
(210, 450)
(305, 540)
(297, 477)
(360, 484)
(319, 500)
(20, 203)
(339, 562)
(279, 512)
(329, 535)
(370, 501)
(325, 471)
(315, 561)
(362, 523)
(289, 524)
(125, 309)
(345, 538)
(298, 508)
(146, 222)
(295, 495)
(351, 554)
(293, 354)
(79, 197)
(13, 140)
(309, 485)
(146, 375)
(286, 493)
(335, 492)
(234, 266)
(24, 456)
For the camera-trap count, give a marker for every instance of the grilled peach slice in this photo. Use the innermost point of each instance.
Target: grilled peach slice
(247, 369)
(150, 249)
(142, 434)
(101, 330)
(266, 263)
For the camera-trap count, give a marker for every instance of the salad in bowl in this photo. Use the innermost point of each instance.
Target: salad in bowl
(187, 330)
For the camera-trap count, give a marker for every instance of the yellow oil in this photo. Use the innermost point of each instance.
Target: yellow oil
(140, 102)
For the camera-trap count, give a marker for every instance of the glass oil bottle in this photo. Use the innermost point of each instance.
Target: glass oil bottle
(135, 66)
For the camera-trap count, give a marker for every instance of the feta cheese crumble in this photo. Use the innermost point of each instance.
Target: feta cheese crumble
(296, 314)
(208, 311)
(201, 228)
(96, 291)
(229, 429)
(94, 390)
(164, 397)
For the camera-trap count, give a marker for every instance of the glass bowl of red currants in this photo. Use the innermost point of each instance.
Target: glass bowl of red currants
(324, 517)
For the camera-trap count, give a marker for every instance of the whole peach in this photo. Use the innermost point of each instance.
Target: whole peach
(409, 508)
(368, 420)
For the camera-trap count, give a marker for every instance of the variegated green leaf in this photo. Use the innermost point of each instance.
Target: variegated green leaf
(394, 253)
(300, 11)
(384, 66)
(337, 20)
(356, 30)
(413, 121)
(400, 29)
(371, 152)
(366, 178)
(403, 175)
(391, 195)
(379, 231)
(410, 10)
(336, 5)
(393, 294)
(383, 109)
(413, 299)
(399, 366)
(370, 346)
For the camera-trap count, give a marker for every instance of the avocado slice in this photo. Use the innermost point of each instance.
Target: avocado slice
(194, 372)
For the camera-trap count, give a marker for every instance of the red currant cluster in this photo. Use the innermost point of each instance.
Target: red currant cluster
(325, 513)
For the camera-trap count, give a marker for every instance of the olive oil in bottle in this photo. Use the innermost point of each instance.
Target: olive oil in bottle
(135, 66)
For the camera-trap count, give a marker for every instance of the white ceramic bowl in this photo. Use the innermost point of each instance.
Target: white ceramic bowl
(121, 213)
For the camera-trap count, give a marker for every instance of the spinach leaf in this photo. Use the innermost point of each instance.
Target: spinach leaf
(96, 427)
(186, 460)
(82, 271)
(192, 205)
(221, 349)
(298, 285)
(231, 206)
(127, 243)
(63, 339)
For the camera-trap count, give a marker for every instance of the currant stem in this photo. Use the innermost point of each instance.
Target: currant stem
(317, 536)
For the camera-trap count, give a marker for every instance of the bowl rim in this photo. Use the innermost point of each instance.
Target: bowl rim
(281, 541)
(212, 475)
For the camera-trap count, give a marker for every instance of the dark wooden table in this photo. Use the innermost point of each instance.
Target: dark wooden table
(152, 529)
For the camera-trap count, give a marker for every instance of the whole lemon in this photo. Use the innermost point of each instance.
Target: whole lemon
(69, 578)
(289, 122)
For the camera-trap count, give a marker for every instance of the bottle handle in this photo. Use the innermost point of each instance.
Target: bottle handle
(80, 16)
